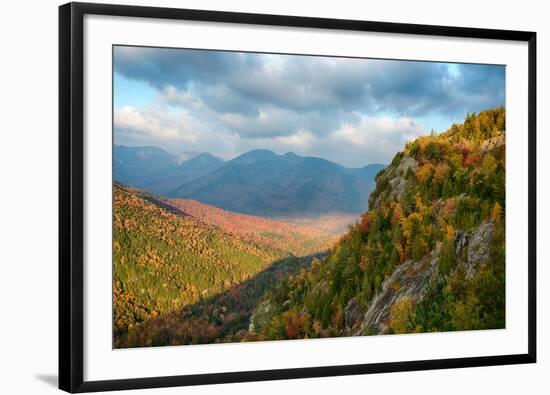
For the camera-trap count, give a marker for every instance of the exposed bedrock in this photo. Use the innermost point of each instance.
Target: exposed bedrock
(410, 280)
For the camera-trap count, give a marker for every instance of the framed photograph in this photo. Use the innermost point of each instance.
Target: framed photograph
(250, 197)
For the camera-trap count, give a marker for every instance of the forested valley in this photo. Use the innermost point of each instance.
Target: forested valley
(427, 256)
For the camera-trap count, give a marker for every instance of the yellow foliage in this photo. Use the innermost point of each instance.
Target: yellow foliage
(396, 286)
(407, 222)
(420, 207)
(449, 232)
(397, 212)
(424, 171)
(489, 165)
(364, 263)
(496, 212)
(401, 315)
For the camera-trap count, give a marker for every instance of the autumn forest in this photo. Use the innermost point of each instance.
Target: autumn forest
(266, 246)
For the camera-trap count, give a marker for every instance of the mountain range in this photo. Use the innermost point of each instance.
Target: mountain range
(258, 182)
(157, 171)
(428, 256)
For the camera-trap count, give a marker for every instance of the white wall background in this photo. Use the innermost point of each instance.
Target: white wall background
(28, 202)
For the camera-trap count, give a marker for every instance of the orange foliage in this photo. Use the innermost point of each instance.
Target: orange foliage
(441, 171)
(424, 171)
(300, 238)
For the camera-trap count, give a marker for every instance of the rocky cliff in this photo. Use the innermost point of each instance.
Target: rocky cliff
(410, 280)
(428, 255)
(396, 177)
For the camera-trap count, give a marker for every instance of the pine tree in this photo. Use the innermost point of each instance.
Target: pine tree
(418, 248)
(447, 190)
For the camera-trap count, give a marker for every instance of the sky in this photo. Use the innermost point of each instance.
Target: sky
(351, 111)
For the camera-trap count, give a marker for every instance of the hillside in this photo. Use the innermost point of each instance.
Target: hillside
(298, 238)
(172, 255)
(262, 183)
(164, 261)
(427, 256)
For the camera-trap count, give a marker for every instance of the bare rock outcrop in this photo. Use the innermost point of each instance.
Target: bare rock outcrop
(493, 142)
(261, 316)
(396, 177)
(410, 280)
(353, 316)
(473, 248)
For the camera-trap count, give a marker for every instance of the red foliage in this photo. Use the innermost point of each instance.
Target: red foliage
(366, 222)
(294, 324)
(299, 236)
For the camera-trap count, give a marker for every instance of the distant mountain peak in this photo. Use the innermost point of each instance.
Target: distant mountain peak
(260, 182)
(140, 150)
(187, 155)
(260, 151)
(205, 157)
(256, 155)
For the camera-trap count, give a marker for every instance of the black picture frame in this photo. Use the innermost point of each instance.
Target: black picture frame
(71, 173)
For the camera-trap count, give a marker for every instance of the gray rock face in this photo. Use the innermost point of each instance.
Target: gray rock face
(353, 316)
(410, 279)
(473, 248)
(397, 180)
(261, 316)
(494, 142)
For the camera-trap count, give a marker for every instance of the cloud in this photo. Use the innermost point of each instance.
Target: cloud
(233, 82)
(302, 141)
(311, 104)
(364, 140)
(377, 137)
(155, 124)
(275, 121)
